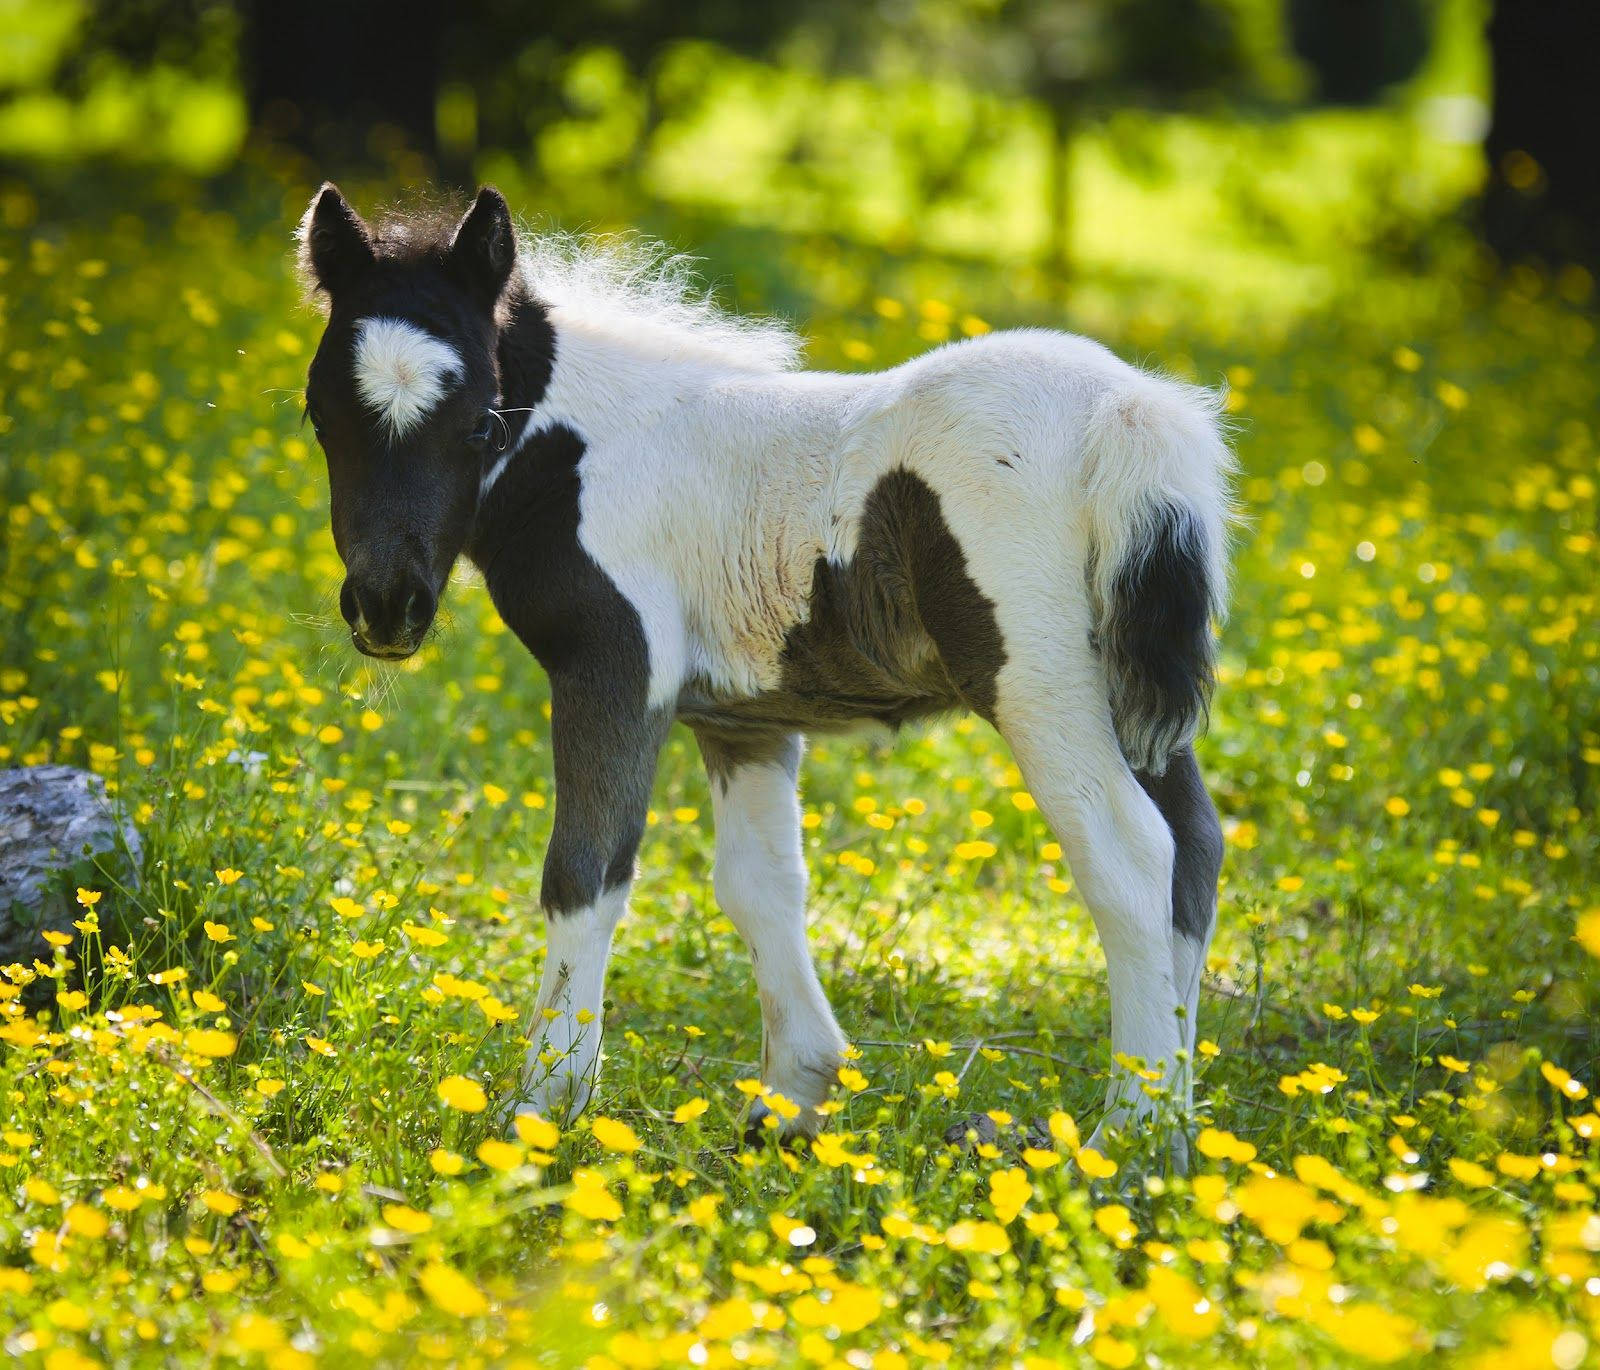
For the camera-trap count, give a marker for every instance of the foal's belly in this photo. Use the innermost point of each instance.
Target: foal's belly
(862, 655)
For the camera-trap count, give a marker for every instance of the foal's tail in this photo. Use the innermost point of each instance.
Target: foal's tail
(1156, 481)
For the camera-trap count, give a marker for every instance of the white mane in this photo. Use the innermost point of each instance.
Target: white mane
(640, 294)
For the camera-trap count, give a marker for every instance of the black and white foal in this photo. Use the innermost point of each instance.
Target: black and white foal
(679, 524)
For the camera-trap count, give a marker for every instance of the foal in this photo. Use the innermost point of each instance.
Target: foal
(679, 524)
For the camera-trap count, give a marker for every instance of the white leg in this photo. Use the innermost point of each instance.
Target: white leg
(563, 1063)
(1121, 854)
(760, 883)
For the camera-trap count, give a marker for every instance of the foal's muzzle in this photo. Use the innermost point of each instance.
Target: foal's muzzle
(389, 618)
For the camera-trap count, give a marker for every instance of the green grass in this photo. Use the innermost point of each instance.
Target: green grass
(256, 1165)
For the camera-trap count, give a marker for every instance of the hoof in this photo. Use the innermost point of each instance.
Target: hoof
(1115, 1139)
(979, 1129)
(756, 1131)
(759, 1132)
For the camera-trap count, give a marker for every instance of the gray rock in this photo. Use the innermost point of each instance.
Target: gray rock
(57, 827)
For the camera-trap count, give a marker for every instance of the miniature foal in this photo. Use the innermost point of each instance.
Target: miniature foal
(681, 524)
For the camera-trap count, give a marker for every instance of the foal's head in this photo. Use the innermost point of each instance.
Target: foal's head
(401, 394)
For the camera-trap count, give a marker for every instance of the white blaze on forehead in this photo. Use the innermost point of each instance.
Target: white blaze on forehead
(401, 371)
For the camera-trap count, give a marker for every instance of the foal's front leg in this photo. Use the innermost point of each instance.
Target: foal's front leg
(605, 761)
(760, 883)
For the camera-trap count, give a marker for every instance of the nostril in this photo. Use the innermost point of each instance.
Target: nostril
(420, 604)
(349, 605)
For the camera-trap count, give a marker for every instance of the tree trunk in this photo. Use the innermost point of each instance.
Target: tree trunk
(325, 75)
(1543, 146)
(1059, 241)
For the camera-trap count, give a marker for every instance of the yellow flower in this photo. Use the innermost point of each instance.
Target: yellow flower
(1094, 1165)
(686, 1112)
(986, 1238)
(1065, 1131)
(464, 1094)
(446, 1162)
(210, 1042)
(404, 1218)
(1561, 1080)
(218, 932)
(366, 951)
(1113, 1352)
(1518, 1167)
(89, 898)
(321, 1045)
(1224, 1146)
(269, 1088)
(207, 1002)
(1588, 933)
(1181, 1304)
(1117, 1223)
(1470, 1173)
(726, 1320)
(220, 1202)
(590, 1199)
(849, 1308)
(86, 1222)
(536, 1132)
(227, 875)
(615, 1136)
(1009, 1191)
(451, 1292)
(498, 1155)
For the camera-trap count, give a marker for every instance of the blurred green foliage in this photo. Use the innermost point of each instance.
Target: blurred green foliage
(1112, 136)
(141, 81)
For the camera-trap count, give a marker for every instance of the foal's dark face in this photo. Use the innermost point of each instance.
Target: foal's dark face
(401, 393)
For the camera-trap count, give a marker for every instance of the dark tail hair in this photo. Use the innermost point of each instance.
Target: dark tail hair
(1154, 636)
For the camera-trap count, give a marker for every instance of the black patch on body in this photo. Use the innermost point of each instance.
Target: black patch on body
(899, 632)
(1180, 794)
(1155, 639)
(555, 597)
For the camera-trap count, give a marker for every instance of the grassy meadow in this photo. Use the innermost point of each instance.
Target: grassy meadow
(249, 1104)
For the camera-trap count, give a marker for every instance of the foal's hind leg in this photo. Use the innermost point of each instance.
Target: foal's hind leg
(760, 883)
(1181, 796)
(1053, 713)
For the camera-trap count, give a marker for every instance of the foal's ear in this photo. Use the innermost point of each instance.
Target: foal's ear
(485, 245)
(335, 246)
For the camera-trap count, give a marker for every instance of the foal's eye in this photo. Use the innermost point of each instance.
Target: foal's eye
(484, 434)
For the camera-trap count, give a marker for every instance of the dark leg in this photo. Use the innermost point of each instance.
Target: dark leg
(1181, 796)
(605, 749)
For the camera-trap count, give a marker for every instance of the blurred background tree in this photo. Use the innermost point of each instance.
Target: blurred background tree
(999, 129)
